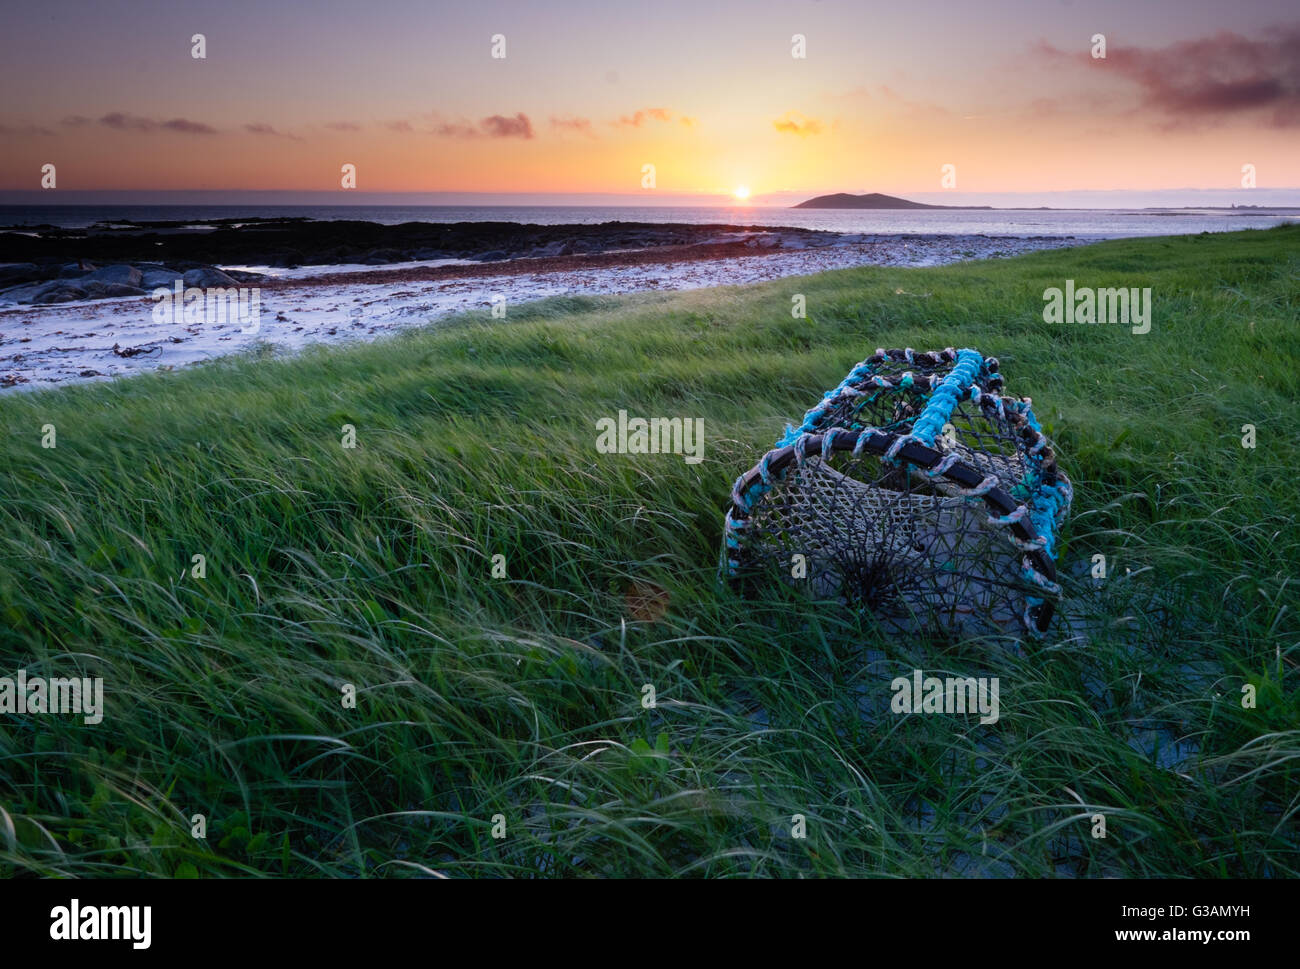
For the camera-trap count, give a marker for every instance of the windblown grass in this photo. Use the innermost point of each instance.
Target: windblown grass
(522, 696)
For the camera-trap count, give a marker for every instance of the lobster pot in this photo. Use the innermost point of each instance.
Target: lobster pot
(917, 491)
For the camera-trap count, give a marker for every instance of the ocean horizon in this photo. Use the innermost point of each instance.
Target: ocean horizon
(1083, 223)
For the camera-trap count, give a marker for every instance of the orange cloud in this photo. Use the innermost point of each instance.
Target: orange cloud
(794, 123)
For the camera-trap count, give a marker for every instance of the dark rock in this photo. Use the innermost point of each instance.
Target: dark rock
(289, 242)
(19, 272)
(75, 270)
(126, 275)
(151, 277)
(203, 278)
(284, 259)
(59, 291)
(23, 293)
(96, 289)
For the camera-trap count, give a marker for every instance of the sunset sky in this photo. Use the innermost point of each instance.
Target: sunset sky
(589, 92)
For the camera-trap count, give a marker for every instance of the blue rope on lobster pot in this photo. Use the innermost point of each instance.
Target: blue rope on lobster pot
(916, 488)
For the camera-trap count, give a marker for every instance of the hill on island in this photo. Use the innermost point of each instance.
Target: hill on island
(873, 200)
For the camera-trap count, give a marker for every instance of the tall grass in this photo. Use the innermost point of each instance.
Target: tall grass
(372, 568)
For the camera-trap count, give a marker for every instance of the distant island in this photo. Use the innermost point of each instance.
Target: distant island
(873, 200)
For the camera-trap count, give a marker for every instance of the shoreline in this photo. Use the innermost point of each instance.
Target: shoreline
(75, 342)
(294, 242)
(620, 259)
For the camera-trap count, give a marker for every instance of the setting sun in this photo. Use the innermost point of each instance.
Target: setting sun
(741, 193)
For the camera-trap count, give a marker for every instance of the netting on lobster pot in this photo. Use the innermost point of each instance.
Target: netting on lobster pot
(915, 490)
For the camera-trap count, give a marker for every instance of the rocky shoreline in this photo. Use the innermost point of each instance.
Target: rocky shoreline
(40, 265)
(71, 342)
(83, 280)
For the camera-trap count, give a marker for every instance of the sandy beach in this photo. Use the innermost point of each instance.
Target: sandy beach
(45, 345)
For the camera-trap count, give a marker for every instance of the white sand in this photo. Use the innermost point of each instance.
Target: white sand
(73, 342)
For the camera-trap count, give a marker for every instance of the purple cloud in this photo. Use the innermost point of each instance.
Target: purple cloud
(26, 129)
(580, 126)
(462, 129)
(501, 127)
(1211, 78)
(496, 126)
(119, 121)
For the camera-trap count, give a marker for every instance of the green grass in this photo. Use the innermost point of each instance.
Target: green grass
(522, 696)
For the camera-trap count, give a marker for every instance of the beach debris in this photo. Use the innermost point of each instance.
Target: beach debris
(122, 351)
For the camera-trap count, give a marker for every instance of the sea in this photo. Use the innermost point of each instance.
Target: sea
(1077, 223)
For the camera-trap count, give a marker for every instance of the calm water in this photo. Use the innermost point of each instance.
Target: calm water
(1080, 223)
